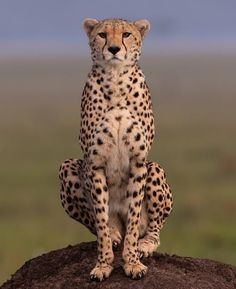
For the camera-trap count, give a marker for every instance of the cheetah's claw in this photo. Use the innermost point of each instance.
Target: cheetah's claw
(93, 277)
(115, 237)
(115, 245)
(140, 254)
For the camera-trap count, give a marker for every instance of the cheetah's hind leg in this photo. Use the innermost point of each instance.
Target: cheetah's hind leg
(74, 198)
(159, 205)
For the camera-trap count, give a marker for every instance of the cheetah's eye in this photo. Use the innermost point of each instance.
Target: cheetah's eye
(126, 34)
(102, 35)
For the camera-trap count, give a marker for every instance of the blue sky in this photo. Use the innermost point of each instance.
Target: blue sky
(47, 23)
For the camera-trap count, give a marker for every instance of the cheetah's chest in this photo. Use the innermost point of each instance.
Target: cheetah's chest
(116, 152)
(117, 157)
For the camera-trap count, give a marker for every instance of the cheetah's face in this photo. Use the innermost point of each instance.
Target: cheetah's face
(115, 41)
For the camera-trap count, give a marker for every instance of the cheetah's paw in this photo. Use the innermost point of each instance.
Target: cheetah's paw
(135, 271)
(147, 247)
(100, 272)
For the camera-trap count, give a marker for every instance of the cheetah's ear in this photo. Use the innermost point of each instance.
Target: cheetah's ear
(143, 26)
(89, 24)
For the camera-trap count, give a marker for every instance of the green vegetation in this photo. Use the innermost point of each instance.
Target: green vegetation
(194, 103)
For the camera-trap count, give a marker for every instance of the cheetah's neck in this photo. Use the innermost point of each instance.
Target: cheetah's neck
(116, 81)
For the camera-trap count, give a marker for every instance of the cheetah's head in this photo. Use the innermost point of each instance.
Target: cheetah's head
(115, 41)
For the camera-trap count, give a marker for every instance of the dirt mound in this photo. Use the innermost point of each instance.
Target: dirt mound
(69, 268)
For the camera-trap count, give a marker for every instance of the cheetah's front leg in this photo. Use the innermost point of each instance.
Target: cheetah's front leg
(135, 193)
(99, 193)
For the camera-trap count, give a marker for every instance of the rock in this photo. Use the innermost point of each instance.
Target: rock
(69, 268)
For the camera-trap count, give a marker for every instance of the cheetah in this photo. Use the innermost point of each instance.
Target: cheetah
(114, 191)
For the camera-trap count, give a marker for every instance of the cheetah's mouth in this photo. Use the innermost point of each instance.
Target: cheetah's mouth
(115, 59)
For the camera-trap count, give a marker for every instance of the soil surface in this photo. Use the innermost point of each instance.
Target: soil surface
(69, 268)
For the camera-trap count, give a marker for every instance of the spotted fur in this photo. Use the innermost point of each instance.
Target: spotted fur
(115, 191)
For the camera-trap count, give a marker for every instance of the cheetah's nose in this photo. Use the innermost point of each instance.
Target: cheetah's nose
(113, 49)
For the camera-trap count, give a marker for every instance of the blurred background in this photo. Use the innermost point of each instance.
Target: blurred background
(189, 58)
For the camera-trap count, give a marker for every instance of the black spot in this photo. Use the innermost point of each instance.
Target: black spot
(129, 129)
(160, 198)
(135, 80)
(82, 200)
(86, 221)
(138, 136)
(139, 179)
(65, 173)
(98, 191)
(139, 165)
(98, 210)
(107, 97)
(70, 208)
(136, 94)
(75, 215)
(99, 141)
(135, 194)
(150, 211)
(142, 147)
(118, 118)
